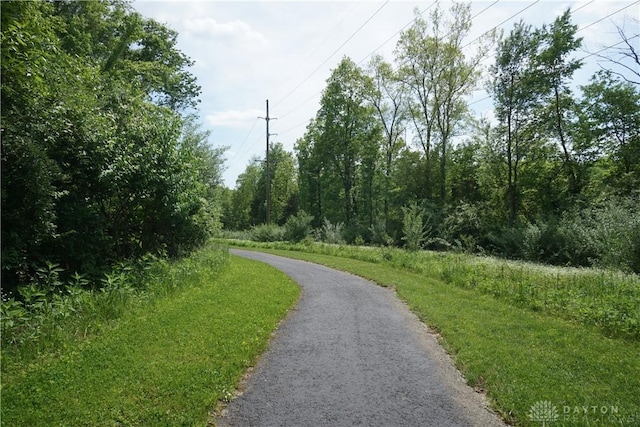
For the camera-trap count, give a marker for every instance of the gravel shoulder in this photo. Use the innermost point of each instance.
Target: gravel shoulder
(350, 353)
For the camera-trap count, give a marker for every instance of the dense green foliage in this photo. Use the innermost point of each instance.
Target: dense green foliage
(99, 164)
(553, 177)
(178, 349)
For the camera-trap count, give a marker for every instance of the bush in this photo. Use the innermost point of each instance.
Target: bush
(507, 241)
(331, 233)
(606, 235)
(413, 227)
(463, 227)
(298, 227)
(267, 233)
(379, 234)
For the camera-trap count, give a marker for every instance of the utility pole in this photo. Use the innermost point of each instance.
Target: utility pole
(268, 182)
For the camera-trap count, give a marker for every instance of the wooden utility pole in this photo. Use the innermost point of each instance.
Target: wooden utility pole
(268, 182)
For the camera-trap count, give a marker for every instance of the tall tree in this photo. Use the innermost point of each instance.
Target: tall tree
(610, 137)
(387, 95)
(244, 195)
(516, 91)
(310, 173)
(555, 68)
(347, 126)
(93, 165)
(284, 186)
(439, 77)
(624, 60)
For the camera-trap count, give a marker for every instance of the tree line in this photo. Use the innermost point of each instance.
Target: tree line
(101, 161)
(553, 176)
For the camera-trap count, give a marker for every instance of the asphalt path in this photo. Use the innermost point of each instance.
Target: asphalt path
(351, 354)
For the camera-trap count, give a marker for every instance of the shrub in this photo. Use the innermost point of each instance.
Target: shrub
(413, 227)
(379, 234)
(331, 233)
(605, 235)
(298, 227)
(507, 241)
(268, 233)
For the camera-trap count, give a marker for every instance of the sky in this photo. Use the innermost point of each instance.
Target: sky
(247, 52)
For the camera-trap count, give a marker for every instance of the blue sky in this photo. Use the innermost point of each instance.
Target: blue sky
(246, 52)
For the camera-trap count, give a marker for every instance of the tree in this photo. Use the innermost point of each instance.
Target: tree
(244, 195)
(129, 48)
(627, 56)
(347, 126)
(555, 69)
(94, 167)
(516, 90)
(610, 123)
(439, 76)
(284, 186)
(386, 94)
(310, 173)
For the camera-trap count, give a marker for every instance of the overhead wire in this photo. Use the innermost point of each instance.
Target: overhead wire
(572, 12)
(611, 14)
(362, 60)
(332, 54)
(399, 31)
(503, 22)
(389, 39)
(317, 47)
(609, 47)
(244, 140)
(404, 27)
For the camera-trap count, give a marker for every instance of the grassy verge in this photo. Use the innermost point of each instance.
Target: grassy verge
(608, 300)
(519, 354)
(165, 363)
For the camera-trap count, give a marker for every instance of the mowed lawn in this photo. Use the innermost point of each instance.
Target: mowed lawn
(167, 363)
(533, 366)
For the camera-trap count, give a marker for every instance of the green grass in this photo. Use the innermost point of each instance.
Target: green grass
(164, 363)
(518, 354)
(609, 300)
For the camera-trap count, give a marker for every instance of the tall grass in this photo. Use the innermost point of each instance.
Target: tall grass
(607, 299)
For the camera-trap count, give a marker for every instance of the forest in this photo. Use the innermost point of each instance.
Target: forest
(396, 156)
(101, 161)
(104, 159)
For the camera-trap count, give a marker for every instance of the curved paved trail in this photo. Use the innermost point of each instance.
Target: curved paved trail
(350, 353)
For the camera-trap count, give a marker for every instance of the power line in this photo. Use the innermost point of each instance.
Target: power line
(583, 6)
(397, 32)
(244, 140)
(334, 52)
(295, 127)
(468, 44)
(611, 14)
(313, 51)
(608, 47)
(503, 22)
(360, 62)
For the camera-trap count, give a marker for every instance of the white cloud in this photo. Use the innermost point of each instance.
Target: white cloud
(209, 28)
(249, 51)
(234, 118)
